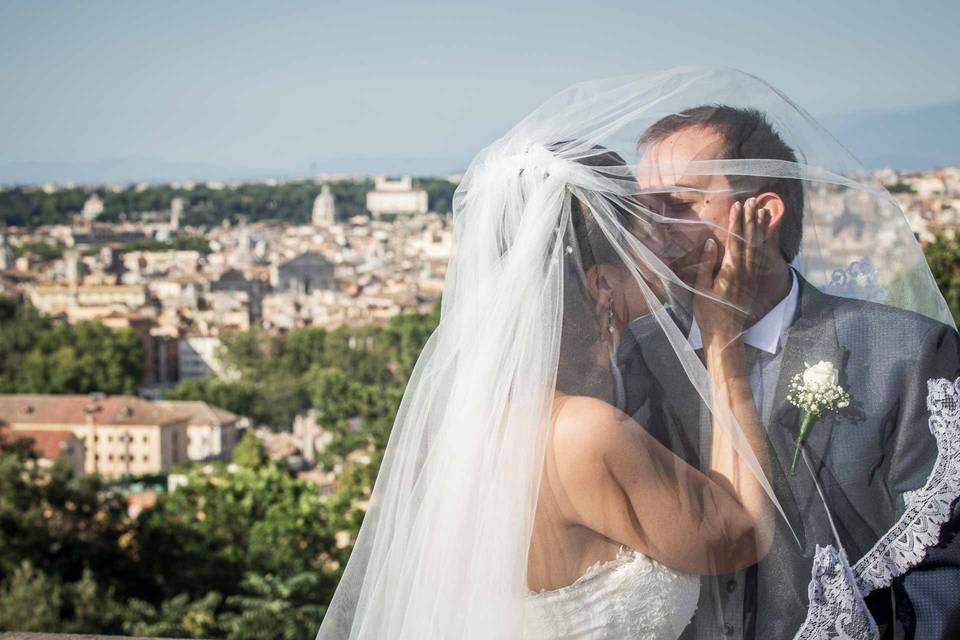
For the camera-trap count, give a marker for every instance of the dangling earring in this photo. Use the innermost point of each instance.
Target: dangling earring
(606, 320)
(611, 340)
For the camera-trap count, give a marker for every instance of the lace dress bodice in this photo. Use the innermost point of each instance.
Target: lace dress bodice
(631, 596)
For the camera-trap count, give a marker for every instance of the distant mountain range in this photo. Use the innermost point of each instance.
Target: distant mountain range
(123, 170)
(913, 138)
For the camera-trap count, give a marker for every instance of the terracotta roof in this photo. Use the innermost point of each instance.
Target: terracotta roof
(75, 409)
(49, 444)
(200, 413)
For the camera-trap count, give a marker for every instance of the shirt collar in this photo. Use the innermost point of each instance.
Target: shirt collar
(766, 333)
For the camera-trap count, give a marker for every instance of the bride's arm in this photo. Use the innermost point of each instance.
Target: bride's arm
(623, 483)
(730, 386)
(728, 297)
(618, 480)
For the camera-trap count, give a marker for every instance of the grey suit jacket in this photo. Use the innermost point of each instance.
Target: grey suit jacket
(865, 458)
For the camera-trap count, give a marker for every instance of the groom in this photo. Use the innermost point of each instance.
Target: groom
(865, 457)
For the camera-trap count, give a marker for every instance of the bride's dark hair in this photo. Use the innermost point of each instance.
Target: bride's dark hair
(587, 246)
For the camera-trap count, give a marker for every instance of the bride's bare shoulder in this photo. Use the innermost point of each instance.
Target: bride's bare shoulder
(587, 424)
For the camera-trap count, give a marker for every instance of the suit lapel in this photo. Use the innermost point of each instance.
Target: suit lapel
(811, 338)
(675, 419)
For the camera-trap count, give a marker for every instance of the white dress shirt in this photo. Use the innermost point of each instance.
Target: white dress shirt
(766, 335)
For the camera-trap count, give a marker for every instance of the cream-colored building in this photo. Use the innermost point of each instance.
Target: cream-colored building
(396, 196)
(324, 208)
(212, 432)
(92, 208)
(121, 435)
(58, 298)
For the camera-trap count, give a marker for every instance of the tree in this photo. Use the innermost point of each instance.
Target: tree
(249, 451)
(236, 397)
(62, 554)
(246, 551)
(273, 607)
(30, 601)
(221, 525)
(178, 617)
(39, 356)
(943, 256)
(302, 349)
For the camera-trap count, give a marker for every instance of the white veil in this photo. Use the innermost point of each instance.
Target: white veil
(444, 549)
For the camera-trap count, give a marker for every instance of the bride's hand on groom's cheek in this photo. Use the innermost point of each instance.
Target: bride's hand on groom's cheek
(728, 276)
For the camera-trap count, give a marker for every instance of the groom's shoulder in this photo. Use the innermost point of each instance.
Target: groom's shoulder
(875, 320)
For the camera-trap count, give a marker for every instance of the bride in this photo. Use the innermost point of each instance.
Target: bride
(622, 524)
(517, 497)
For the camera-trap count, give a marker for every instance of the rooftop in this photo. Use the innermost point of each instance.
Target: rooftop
(49, 444)
(75, 409)
(200, 413)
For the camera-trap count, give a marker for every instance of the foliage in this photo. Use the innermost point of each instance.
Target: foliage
(240, 551)
(439, 193)
(943, 256)
(62, 542)
(29, 207)
(249, 452)
(275, 608)
(179, 243)
(205, 205)
(30, 601)
(178, 617)
(236, 397)
(45, 251)
(40, 356)
(247, 552)
(901, 187)
(222, 526)
(363, 368)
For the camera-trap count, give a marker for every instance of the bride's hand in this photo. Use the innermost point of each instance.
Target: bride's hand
(733, 286)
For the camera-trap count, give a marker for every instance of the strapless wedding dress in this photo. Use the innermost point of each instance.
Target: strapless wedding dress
(631, 597)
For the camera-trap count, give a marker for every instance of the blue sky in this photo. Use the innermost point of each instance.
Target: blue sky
(284, 84)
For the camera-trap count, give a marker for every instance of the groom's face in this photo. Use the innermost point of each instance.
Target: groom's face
(693, 207)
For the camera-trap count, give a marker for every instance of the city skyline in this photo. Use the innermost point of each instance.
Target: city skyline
(255, 90)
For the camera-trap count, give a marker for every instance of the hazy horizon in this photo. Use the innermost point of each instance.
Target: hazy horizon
(299, 88)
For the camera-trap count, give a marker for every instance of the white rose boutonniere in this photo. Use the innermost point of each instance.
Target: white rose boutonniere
(815, 392)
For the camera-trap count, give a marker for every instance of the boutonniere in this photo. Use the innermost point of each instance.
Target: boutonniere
(815, 392)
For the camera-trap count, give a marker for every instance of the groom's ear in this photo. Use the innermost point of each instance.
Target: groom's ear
(775, 208)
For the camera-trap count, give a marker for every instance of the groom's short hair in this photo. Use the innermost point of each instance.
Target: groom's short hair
(747, 134)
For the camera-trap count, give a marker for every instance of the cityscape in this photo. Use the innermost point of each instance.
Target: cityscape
(181, 287)
(183, 346)
(154, 351)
